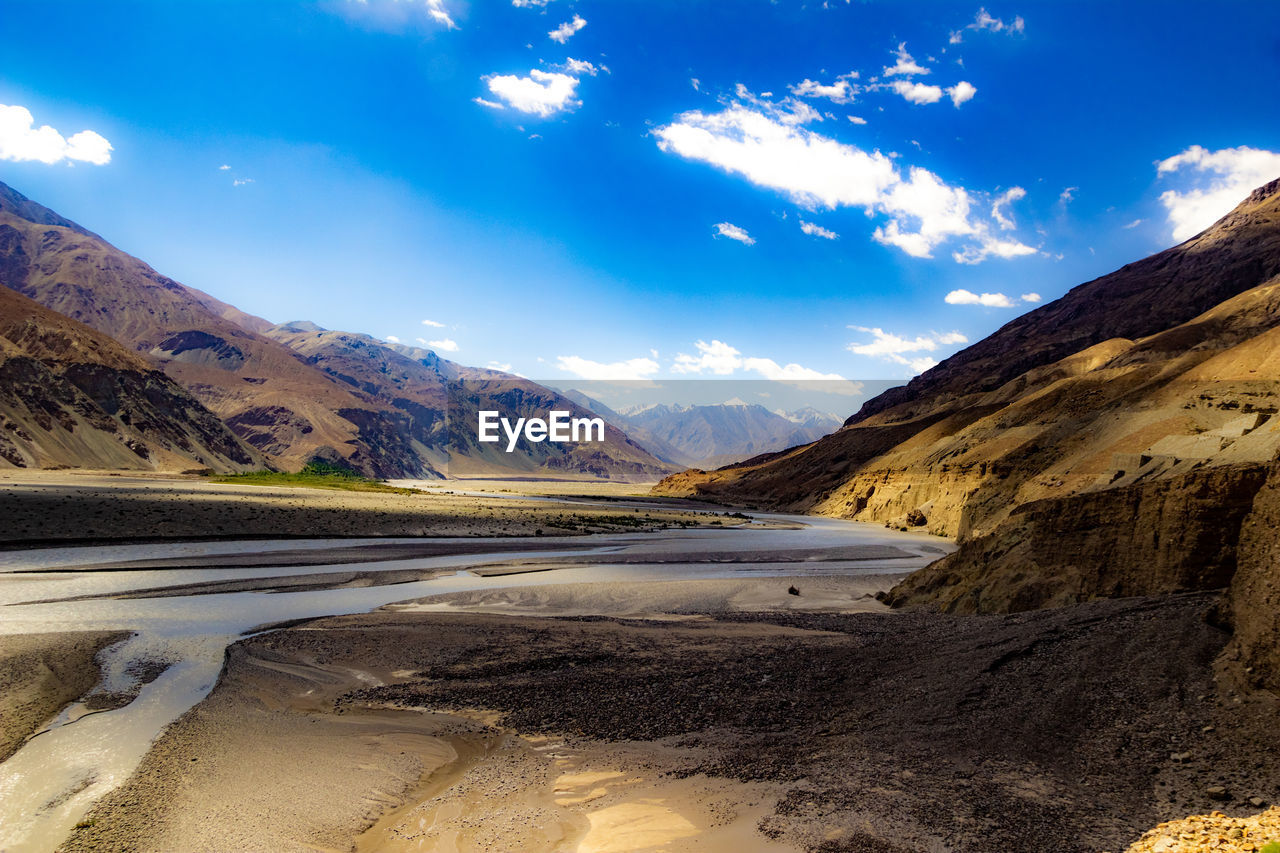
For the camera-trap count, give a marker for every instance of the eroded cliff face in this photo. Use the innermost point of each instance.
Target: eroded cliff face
(1255, 591)
(1172, 535)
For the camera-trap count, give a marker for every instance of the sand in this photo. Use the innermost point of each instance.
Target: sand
(41, 674)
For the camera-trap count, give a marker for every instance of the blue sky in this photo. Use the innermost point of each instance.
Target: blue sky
(790, 190)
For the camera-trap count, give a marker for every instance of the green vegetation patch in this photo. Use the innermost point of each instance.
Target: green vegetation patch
(314, 475)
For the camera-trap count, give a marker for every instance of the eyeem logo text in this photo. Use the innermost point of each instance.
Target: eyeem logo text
(559, 427)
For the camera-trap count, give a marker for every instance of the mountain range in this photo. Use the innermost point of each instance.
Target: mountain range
(711, 436)
(285, 394)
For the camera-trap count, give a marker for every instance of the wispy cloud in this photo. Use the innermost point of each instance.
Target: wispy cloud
(433, 324)
(565, 31)
(447, 344)
(393, 11)
(20, 139)
(1002, 201)
(817, 231)
(985, 21)
(733, 232)
(891, 347)
(842, 91)
(1214, 182)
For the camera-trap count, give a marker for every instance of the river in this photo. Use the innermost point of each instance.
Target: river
(54, 779)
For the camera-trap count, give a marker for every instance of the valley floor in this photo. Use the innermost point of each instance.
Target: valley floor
(709, 690)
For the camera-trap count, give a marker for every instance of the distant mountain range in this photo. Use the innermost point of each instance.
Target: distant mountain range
(711, 436)
(244, 391)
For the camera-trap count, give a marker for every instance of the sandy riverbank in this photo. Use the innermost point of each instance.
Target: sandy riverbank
(59, 507)
(1070, 730)
(40, 674)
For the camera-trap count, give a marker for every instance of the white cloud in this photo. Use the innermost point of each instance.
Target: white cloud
(635, 368)
(490, 104)
(448, 345)
(224, 167)
(716, 357)
(498, 365)
(767, 145)
(895, 348)
(565, 31)
(839, 92)
(990, 300)
(997, 207)
(721, 359)
(580, 67)
(989, 246)
(239, 182)
(905, 66)
(1222, 179)
(857, 119)
(917, 93)
(1134, 224)
(1030, 297)
(817, 231)
(733, 232)
(433, 324)
(542, 93)
(1068, 195)
(696, 84)
(20, 139)
(528, 4)
(961, 92)
(393, 339)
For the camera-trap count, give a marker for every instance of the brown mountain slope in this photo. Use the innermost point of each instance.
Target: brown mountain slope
(71, 396)
(1238, 252)
(265, 393)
